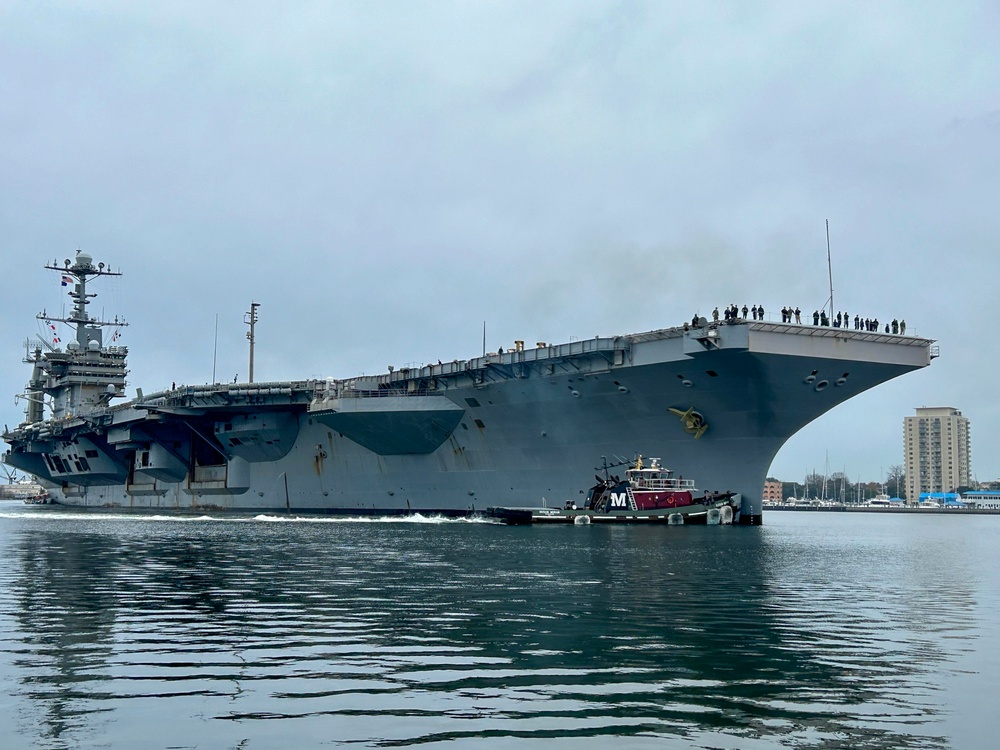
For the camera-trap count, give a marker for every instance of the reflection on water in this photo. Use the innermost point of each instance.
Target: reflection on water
(814, 630)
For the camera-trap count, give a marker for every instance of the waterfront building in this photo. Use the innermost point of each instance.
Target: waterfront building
(989, 499)
(937, 450)
(772, 491)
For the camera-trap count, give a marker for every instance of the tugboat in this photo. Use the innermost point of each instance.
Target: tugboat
(41, 497)
(647, 494)
(27, 490)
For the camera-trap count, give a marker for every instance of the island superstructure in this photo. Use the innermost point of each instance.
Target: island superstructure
(523, 427)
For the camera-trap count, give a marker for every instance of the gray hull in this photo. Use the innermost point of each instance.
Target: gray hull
(524, 428)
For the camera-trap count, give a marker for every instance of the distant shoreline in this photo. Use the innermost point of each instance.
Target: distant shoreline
(904, 509)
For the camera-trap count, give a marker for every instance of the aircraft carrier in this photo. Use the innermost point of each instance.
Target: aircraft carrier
(525, 427)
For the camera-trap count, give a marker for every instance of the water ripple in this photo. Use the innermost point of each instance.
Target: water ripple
(243, 632)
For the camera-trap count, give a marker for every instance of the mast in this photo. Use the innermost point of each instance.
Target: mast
(215, 348)
(76, 275)
(829, 268)
(251, 320)
(87, 374)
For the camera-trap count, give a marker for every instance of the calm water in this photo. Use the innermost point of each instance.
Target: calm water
(817, 630)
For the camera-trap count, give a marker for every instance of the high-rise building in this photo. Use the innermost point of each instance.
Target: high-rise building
(938, 451)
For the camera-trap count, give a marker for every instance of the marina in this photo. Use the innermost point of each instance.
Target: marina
(920, 509)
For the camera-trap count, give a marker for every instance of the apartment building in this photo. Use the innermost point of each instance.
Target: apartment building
(937, 451)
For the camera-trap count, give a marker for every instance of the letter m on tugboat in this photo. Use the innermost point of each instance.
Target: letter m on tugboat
(618, 499)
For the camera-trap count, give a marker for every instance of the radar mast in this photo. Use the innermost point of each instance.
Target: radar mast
(87, 374)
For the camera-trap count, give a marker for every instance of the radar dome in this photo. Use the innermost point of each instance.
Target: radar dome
(93, 345)
(84, 259)
(73, 345)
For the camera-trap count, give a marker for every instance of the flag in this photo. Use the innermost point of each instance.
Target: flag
(66, 280)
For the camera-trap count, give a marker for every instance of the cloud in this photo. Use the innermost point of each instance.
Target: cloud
(385, 178)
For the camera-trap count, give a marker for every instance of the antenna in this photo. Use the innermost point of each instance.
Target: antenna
(829, 266)
(75, 275)
(45, 343)
(251, 320)
(215, 349)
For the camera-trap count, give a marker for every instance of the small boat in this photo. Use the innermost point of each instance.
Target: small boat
(648, 494)
(27, 490)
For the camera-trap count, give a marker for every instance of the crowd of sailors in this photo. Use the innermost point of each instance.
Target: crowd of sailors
(843, 320)
(733, 313)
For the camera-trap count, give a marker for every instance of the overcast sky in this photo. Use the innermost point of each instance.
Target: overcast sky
(383, 177)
